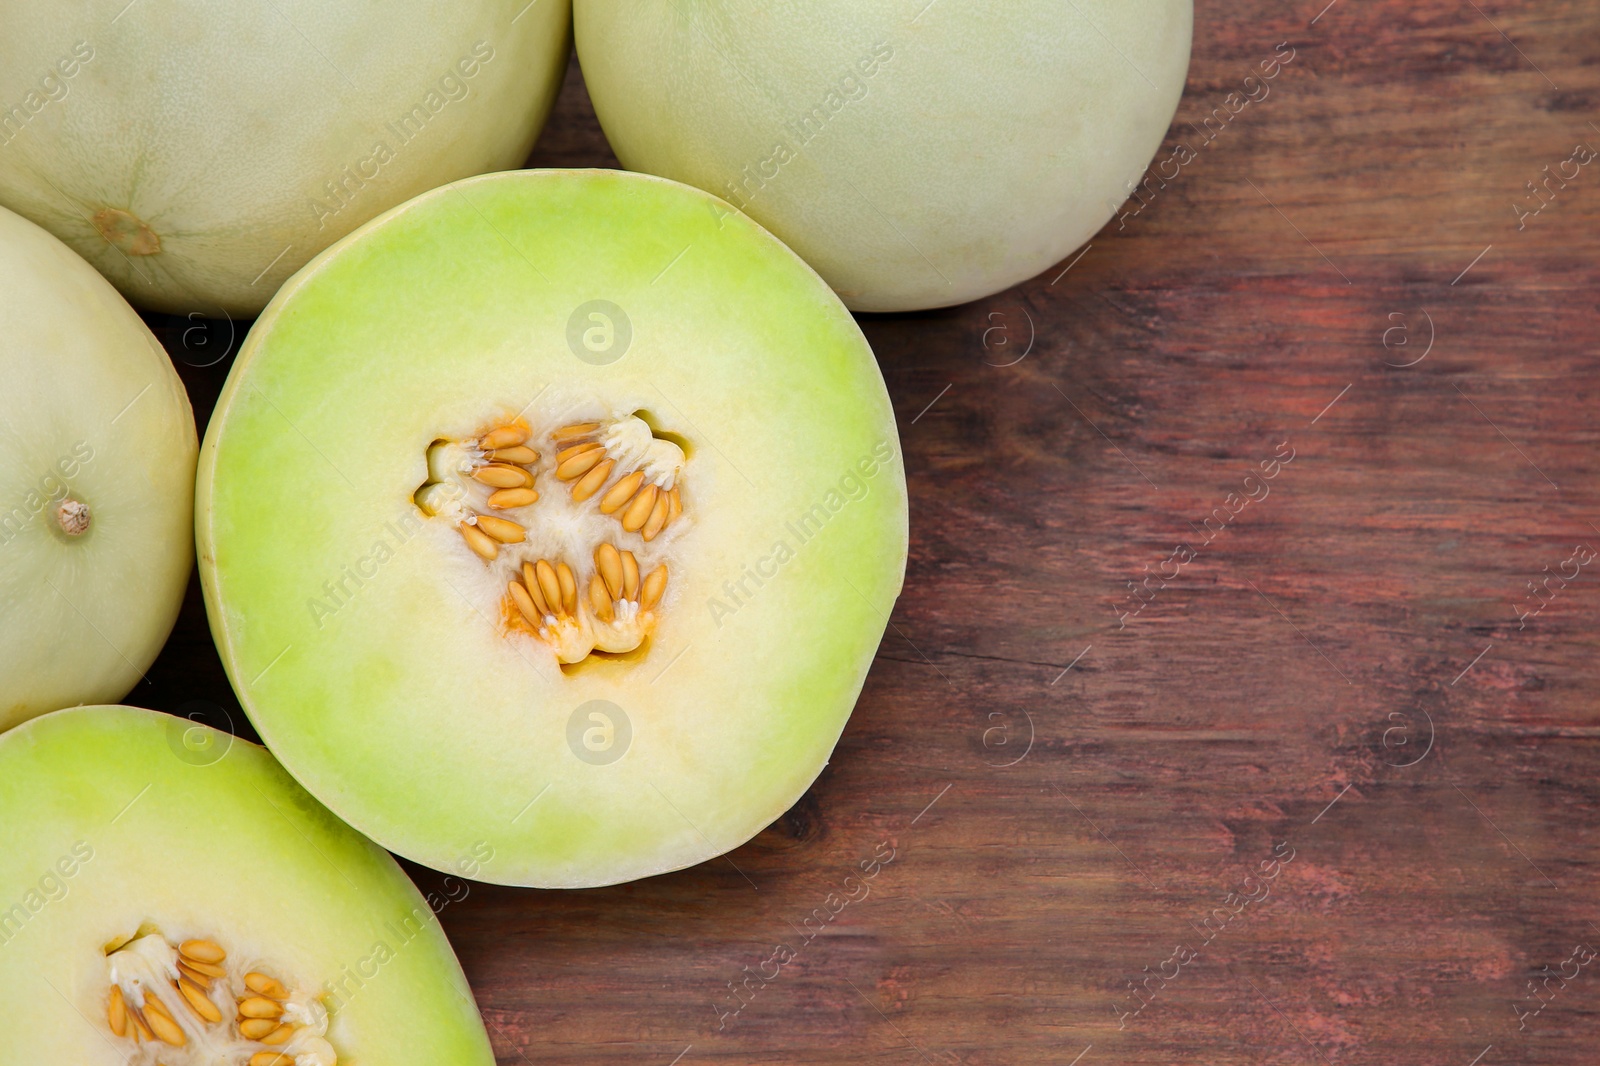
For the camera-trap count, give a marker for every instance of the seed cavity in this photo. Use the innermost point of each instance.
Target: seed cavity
(202, 1008)
(485, 486)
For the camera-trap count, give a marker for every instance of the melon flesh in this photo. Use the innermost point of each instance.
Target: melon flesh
(93, 417)
(378, 656)
(131, 829)
(199, 153)
(916, 154)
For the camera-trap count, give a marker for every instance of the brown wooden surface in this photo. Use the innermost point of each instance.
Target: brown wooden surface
(1273, 692)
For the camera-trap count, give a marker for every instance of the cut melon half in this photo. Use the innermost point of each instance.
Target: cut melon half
(168, 895)
(561, 511)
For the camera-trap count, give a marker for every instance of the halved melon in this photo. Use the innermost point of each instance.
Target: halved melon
(558, 510)
(169, 895)
(97, 454)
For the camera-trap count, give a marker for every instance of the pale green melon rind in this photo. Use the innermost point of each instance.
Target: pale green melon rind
(432, 737)
(917, 154)
(250, 135)
(91, 409)
(108, 825)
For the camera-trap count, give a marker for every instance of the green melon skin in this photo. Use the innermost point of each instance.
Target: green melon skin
(91, 411)
(406, 708)
(116, 817)
(249, 135)
(916, 154)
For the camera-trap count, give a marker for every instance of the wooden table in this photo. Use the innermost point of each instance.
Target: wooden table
(1340, 681)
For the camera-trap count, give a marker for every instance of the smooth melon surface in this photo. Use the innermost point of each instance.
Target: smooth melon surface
(369, 646)
(118, 818)
(199, 153)
(916, 154)
(92, 412)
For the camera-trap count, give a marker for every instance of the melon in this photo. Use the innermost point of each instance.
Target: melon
(168, 895)
(559, 510)
(916, 154)
(97, 459)
(198, 154)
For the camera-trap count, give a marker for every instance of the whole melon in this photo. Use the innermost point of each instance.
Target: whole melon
(97, 457)
(917, 154)
(199, 153)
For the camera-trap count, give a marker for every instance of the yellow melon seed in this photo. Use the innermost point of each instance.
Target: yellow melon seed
(482, 545)
(271, 1058)
(501, 529)
(674, 505)
(256, 1028)
(501, 499)
(577, 449)
(621, 492)
(549, 585)
(638, 512)
(580, 464)
(504, 437)
(630, 576)
(658, 518)
(259, 1007)
(599, 599)
(279, 1035)
(503, 476)
(201, 979)
(161, 1023)
(117, 1012)
(261, 984)
(198, 1001)
(208, 951)
(530, 582)
(654, 586)
(572, 432)
(208, 969)
(517, 454)
(524, 602)
(590, 483)
(569, 588)
(609, 565)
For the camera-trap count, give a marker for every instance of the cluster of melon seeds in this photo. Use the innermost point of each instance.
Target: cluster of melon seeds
(645, 497)
(616, 468)
(189, 1005)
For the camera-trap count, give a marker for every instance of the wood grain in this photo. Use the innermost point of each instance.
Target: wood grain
(1340, 672)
